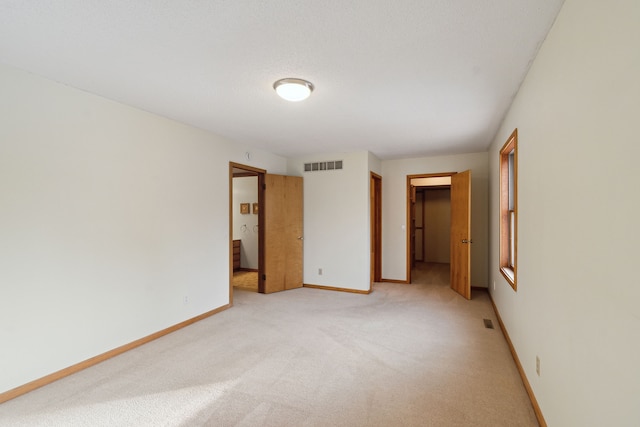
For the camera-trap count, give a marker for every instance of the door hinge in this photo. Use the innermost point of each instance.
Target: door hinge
(264, 277)
(264, 186)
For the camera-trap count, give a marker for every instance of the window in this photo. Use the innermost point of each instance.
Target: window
(509, 209)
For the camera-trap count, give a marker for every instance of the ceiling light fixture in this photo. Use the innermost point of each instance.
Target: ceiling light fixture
(293, 90)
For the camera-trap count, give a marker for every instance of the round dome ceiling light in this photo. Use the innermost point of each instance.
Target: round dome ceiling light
(293, 90)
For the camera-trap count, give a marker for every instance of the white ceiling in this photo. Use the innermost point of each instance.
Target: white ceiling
(398, 78)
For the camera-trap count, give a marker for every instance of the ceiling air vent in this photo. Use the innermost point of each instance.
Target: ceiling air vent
(323, 166)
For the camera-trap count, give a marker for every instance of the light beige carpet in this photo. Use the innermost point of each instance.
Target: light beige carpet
(405, 355)
(431, 273)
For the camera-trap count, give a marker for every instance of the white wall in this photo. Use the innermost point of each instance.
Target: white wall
(394, 209)
(336, 221)
(245, 226)
(109, 217)
(577, 304)
(375, 164)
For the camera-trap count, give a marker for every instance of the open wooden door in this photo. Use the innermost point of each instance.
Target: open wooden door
(282, 233)
(461, 233)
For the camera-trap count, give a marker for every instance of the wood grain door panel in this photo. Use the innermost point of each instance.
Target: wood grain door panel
(283, 233)
(461, 233)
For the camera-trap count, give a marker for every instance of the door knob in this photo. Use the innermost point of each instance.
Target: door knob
(467, 241)
(300, 238)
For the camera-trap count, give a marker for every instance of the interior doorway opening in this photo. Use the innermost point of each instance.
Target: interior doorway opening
(450, 194)
(430, 225)
(375, 203)
(246, 228)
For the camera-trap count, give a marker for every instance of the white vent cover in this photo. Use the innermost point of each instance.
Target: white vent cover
(323, 166)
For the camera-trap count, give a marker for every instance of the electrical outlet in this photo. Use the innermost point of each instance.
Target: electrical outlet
(538, 365)
(319, 272)
(186, 300)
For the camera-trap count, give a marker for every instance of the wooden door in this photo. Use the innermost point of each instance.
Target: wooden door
(461, 233)
(282, 233)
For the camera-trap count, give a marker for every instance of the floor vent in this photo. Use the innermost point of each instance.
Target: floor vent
(323, 166)
(488, 323)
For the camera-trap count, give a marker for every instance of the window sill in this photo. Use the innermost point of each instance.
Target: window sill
(510, 275)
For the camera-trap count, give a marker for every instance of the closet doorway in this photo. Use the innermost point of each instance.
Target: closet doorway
(438, 236)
